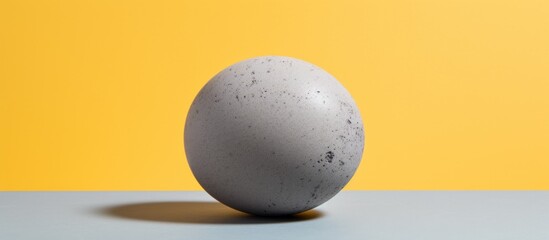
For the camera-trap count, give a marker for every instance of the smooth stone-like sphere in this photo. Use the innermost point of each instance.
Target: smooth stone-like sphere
(273, 136)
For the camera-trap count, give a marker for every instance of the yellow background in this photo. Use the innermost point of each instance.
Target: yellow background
(94, 93)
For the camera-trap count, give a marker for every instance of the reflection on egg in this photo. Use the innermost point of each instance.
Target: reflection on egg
(273, 136)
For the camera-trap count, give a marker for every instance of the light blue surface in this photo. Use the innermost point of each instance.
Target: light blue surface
(463, 215)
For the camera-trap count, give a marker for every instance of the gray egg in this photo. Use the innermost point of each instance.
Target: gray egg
(273, 136)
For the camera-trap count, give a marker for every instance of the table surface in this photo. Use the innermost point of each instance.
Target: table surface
(350, 215)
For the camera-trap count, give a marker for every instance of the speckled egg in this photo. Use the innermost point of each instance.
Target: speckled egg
(273, 136)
